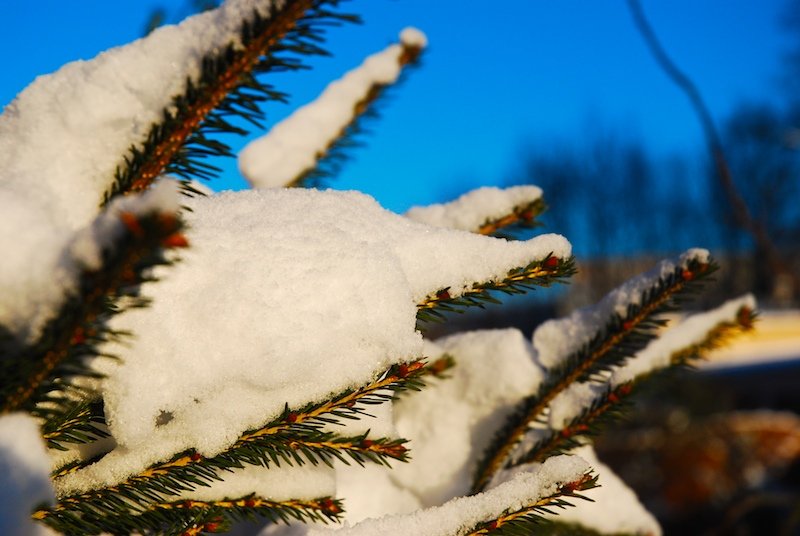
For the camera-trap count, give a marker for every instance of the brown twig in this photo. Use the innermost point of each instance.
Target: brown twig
(741, 212)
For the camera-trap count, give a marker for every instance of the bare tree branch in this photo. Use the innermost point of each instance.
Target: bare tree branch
(741, 212)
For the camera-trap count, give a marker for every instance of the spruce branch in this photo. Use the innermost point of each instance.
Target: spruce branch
(718, 337)
(539, 273)
(439, 368)
(227, 86)
(609, 405)
(499, 212)
(330, 159)
(606, 407)
(35, 374)
(82, 423)
(621, 338)
(195, 517)
(296, 436)
(524, 520)
(216, 516)
(521, 217)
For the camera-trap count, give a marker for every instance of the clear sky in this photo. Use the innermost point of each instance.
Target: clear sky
(498, 76)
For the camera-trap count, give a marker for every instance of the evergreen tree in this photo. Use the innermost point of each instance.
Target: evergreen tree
(180, 365)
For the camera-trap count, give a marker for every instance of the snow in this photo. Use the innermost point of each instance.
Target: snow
(286, 297)
(371, 491)
(24, 476)
(293, 146)
(475, 208)
(457, 516)
(266, 296)
(31, 293)
(62, 138)
(282, 483)
(570, 402)
(450, 422)
(691, 330)
(616, 508)
(556, 339)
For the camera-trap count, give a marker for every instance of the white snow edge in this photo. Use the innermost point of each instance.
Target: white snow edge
(293, 146)
(475, 208)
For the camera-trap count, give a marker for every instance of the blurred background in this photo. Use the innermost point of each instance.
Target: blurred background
(570, 96)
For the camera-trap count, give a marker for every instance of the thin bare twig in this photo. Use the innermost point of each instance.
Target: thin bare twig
(741, 212)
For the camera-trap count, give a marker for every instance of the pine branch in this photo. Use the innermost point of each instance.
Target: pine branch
(330, 159)
(720, 336)
(217, 516)
(75, 465)
(524, 520)
(521, 217)
(606, 407)
(539, 273)
(620, 339)
(82, 423)
(436, 369)
(439, 368)
(296, 445)
(609, 405)
(227, 86)
(195, 517)
(294, 437)
(33, 374)
(499, 212)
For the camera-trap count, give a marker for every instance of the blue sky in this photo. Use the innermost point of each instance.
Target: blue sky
(498, 77)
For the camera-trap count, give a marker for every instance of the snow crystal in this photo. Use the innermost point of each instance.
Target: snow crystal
(294, 145)
(286, 296)
(450, 423)
(475, 208)
(62, 139)
(692, 330)
(458, 515)
(24, 476)
(554, 340)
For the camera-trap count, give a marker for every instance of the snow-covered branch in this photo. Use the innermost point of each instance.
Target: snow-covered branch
(295, 147)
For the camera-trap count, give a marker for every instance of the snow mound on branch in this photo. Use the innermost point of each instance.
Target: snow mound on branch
(458, 515)
(24, 476)
(691, 330)
(64, 136)
(556, 339)
(285, 297)
(475, 208)
(32, 292)
(450, 423)
(293, 146)
(616, 508)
